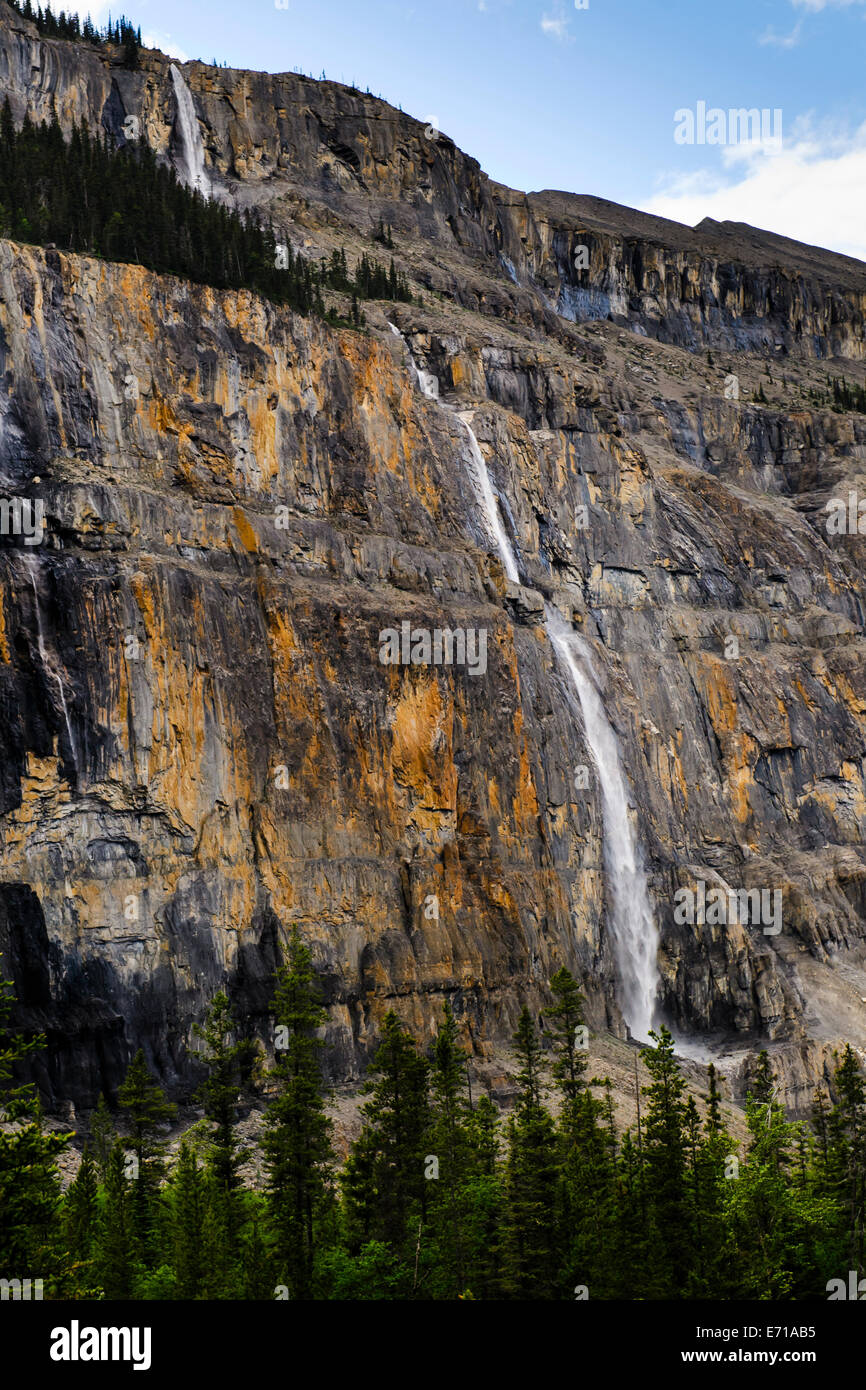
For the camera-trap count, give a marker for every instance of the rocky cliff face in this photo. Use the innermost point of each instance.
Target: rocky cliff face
(202, 746)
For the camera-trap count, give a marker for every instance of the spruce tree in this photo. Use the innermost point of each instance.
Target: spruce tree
(297, 1139)
(116, 1243)
(846, 1160)
(567, 1012)
(80, 1213)
(29, 1180)
(102, 1135)
(227, 1061)
(383, 1181)
(450, 1158)
(186, 1198)
(531, 1261)
(664, 1148)
(147, 1112)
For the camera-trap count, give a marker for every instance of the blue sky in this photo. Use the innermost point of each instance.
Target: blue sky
(548, 95)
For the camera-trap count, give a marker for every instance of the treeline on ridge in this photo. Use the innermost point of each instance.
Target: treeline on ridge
(120, 32)
(124, 205)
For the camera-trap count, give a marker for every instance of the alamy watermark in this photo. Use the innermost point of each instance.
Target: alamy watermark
(744, 906)
(21, 1290)
(77, 1343)
(855, 1292)
(19, 516)
(738, 126)
(421, 646)
(846, 518)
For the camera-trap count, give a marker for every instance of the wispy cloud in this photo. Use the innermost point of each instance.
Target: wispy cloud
(813, 6)
(97, 9)
(783, 40)
(813, 190)
(556, 26)
(156, 38)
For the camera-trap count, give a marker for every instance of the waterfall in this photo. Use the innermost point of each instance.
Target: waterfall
(192, 166)
(634, 935)
(489, 505)
(427, 384)
(48, 663)
(429, 387)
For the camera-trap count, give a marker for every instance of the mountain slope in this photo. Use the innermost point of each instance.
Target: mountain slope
(202, 746)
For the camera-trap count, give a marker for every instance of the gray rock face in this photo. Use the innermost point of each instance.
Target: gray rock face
(201, 743)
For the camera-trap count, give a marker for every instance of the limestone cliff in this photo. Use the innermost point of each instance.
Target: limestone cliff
(201, 744)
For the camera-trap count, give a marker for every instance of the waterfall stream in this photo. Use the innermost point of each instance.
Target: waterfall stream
(192, 171)
(634, 935)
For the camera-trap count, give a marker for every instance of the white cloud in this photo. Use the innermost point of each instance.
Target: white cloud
(813, 6)
(555, 26)
(783, 40)
(97, 9)
(813, 190)
(155, 38)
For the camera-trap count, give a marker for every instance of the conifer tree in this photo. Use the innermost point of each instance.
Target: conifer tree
(450, 1158)
(258, 1277)
(383, 1181)
(147, 1112)
(81, 1210)
(530, 1255)
(29, 1180)
(567, 1011)
(775, 1231)
(227, 1061)
(187, 1197)
(102, 1135)
(664, 1149)
(846, 1160)
(116, 1264)
(297, 1141)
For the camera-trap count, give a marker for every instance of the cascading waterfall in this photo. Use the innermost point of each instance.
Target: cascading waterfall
(192, 171)
(634, 935)
(484, 490)
(44, 656)
(428, 385)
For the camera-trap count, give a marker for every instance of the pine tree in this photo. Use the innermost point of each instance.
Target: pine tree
(80, 1211)
(102, 1135)
(450, 1159)
(846, 1160)
(762, 1084)
(664, 1147)
(775, 1232)
(186, 1197)
(147, 1112)
(710, 1171)
(383, 1180)
(568, 1014)
(530, 1254)
(116, 1263)
(29, 1180)
(222, 1268)
(258, 1278)
(297, 1140)
(227, 1062)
